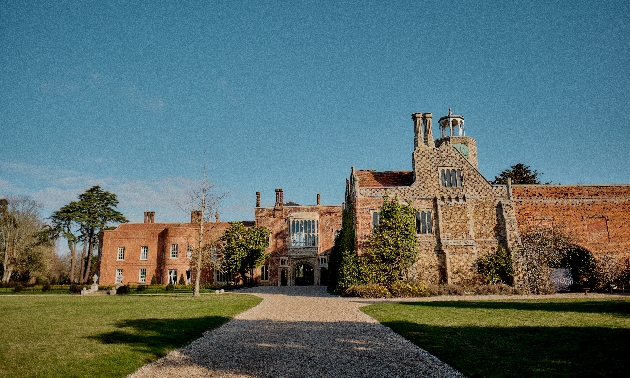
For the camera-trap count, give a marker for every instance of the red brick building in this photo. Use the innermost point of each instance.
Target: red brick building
(460, 217)
(134, 253)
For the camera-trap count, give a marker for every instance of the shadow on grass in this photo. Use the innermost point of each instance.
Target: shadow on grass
(612, 307)
(524, 351)
(157, 337)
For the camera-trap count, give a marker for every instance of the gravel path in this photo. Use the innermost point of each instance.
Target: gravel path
(300, 332)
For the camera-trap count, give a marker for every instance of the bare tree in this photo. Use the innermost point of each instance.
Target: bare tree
(204, 203)
(23, 245)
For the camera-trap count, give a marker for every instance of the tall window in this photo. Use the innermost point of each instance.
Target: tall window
(121, 253)
(424, 222)
(189, 252)
(172, 276)
(451, 178)
(376, 218)
(144, 252)
(142, 276)
(174, 251)
(264, 273)
(303, 233)
(220, 276)
(119, 276)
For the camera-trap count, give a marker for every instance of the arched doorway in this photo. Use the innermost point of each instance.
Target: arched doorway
(304, 275)
(283, 277)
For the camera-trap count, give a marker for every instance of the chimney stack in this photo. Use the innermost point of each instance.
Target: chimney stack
(216, 217)
(149, 217)
(195, 216)
(279, 198)
(257, 199)
(318, 199)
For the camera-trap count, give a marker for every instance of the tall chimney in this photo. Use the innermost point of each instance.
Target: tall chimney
(149, 216)
(417, 128)
(279, 198)
(318, 199)
(428, 133)
(257, 199)
(216, 217)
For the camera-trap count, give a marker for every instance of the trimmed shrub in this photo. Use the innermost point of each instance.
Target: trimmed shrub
(409, 289)
(368, 291)
(496, 267)
(169, 287)
(498, 289)
(122, 290)
(18, 288)
(75, 289)
(445, 289)
(46, 287)
(153, 280)
(141, 288)
(182, 280)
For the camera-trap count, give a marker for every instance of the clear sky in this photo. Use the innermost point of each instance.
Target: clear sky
(138, 96)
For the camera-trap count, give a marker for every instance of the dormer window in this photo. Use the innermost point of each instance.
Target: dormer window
(451, 178)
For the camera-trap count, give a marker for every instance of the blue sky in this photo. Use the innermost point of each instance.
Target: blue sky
(137, 97)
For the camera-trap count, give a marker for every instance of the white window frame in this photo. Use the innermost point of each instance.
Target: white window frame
(189, 252)
(142, 275)
(303, 232)
(172, 273)
(144, 252)
(121, 253)
(174, 251)
(264, 272)
(119, 276)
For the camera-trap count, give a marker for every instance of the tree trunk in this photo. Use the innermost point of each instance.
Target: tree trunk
(83, 253)
(73, 254)
(6, 264)
(88, 262)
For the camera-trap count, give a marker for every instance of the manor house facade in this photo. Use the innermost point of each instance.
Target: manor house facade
(460, 216)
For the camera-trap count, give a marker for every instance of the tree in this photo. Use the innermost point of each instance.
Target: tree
(204, 203)
(83, 220)
(541, 252)
(65, 222)
(520, 174)
(392, 249)
(23, 241)
(496, 267)
(343, 264)
(244, 249)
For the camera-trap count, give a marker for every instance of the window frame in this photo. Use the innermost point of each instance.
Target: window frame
(119, 276)
(174, 253)
(121, 254)
(144, 252)
(424, 222)
(142, 278)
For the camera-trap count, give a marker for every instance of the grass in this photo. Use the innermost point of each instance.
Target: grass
(103, 336)
(518, 338)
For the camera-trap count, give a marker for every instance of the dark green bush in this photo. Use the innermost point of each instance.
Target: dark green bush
(46, 287)
(18, 288)
(496, 267)
(182, 280)
(409, 289)
(153, 280)
(368, 291)
(122, 290)
(170, 287)
(141, 288)
(75, 289)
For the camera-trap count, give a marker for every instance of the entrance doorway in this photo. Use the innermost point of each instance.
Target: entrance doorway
(283, 277)
(304, 275)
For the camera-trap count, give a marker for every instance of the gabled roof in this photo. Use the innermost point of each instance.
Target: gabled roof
(373, 179)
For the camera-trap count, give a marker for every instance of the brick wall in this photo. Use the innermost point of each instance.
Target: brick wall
(596, 216)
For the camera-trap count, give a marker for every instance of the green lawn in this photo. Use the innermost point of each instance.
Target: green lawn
(518, 338)
(103, 336)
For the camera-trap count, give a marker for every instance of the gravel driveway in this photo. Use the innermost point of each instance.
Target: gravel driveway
(300, 332)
